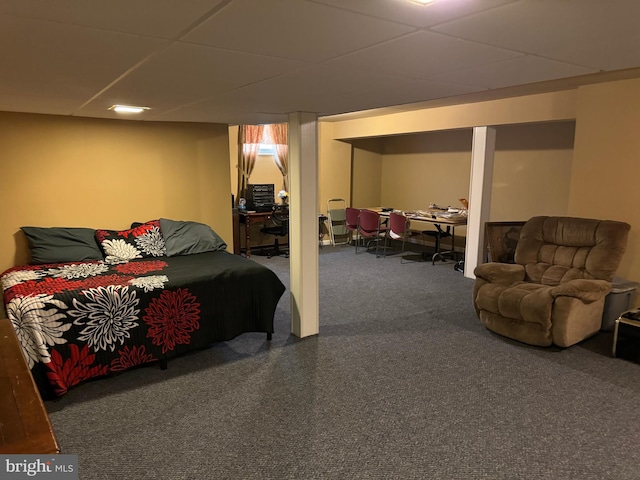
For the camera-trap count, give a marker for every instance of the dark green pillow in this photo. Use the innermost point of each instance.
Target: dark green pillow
(186, 238)
(62, 244)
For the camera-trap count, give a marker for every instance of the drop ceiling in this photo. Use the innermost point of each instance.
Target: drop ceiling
(255, 61)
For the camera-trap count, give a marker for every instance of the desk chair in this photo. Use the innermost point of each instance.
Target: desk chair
(279, 228)
(437, 235)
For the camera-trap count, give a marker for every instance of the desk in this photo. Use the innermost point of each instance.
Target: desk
(25, 427)
(436, 217)
(247, 219)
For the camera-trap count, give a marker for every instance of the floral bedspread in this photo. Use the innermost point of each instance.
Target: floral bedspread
(78, 321)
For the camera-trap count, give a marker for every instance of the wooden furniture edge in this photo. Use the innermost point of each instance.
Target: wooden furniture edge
(35, 433)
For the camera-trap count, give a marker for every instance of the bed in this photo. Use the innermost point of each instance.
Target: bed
(147, 294)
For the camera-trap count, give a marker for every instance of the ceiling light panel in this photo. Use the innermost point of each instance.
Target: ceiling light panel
(128, 108)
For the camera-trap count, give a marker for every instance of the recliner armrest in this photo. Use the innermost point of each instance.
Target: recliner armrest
(583, 289)
(500, 273)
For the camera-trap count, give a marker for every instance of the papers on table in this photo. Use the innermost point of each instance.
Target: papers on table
(431, 215)
(448, 215)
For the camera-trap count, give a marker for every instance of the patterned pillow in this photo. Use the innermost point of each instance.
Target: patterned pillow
(143, 241)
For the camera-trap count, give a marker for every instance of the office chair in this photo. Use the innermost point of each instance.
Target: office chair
(279, 228)
(438, 234)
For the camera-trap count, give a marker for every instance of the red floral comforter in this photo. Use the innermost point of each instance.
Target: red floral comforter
(77, 321)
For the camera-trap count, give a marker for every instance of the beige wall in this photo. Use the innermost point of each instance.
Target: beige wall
(532, 164)
(532, 160)
(334, 167)
(366, 173)
(532, 170)
(78, 172)
(606, 165)
(426, 168)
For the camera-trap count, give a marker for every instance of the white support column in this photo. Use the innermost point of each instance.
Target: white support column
(303, 223)
(481, 182)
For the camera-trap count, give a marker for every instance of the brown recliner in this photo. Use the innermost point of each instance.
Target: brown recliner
(555, 291)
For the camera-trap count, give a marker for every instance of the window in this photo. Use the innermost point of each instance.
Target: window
(267, 149)
(267, 146)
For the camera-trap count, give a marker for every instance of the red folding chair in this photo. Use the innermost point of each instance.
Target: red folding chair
(398, 230)
(351, 224)
(370, 227)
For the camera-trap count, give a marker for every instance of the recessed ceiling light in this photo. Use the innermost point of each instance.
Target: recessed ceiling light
(127, 108)
(422, 2)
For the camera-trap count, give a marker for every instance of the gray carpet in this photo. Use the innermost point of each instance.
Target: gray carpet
(402, 382)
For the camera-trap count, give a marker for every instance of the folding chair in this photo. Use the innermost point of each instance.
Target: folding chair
(398, 230)
(369, 227)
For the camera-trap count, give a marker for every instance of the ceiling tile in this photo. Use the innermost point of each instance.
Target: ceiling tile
(609, 52)
(78, 52)
(42, 58)
(404, 92)
(207, 60)
(325, 90)
(424, 54)
(518, 71)
(304, 90)
(185, 73)
(208, 112)
(566, 30)
(43, 87)
(292, 29)
(45, 104)
(163, 19)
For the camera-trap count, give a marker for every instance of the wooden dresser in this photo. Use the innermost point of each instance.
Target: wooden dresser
(25, 427)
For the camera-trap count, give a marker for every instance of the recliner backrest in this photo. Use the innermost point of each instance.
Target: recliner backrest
(557, 249)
